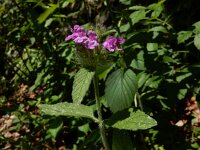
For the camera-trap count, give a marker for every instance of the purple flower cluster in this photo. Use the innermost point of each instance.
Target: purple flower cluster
(79, 36)
(112, 43)
(89, 40)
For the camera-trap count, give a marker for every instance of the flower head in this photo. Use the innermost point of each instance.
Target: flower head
(91, 41)
(112, 43)
(79, 36)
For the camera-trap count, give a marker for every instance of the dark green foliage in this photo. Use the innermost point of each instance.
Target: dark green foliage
(161, 52)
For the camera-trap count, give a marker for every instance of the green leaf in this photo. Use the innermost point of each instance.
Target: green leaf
(67, 109)
(157, 8)
(138, 62)
(197, 27)
(121, 87)
(197, 41)
(158, 29)
(137, 7)
(124, 27)
(152, 46)
(137, 120)
(142, 78)
(103, 69)
(183, 76)
(55, 126)
(153, 81)
(81, 84)
(125, 2)
(121, 140)
(47, 12)
(183, 36)
(137, 16)
(182, 93)
(157, 11)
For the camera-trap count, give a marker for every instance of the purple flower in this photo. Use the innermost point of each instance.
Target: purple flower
(91, 41)
(112, 43)
(78, 34)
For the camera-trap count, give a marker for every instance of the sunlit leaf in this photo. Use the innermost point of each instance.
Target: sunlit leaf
(136, 121)
(81, 84)
(131, 120)
(67, 109)
(152, 46)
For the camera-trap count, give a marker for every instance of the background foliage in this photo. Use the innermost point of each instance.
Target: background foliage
(38, 66)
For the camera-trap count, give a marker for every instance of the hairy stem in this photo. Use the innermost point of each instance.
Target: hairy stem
(101, 123)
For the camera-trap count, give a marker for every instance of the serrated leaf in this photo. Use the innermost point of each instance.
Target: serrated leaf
(121, 87)
(137, 16)
(183, 36)
(47, 12)
(121, 140)
(81, 84)
(67, 109)
(137, 120)
(197, 41)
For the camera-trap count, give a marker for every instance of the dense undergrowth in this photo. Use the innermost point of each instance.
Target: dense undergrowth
(38, 66)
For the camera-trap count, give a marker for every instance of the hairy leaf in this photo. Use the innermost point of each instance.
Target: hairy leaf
(67, 109)
(121, 87)
(137, 120)
(81, 84)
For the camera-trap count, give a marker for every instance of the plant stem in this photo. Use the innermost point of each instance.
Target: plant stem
(101, 123)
